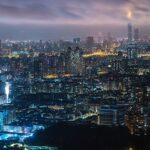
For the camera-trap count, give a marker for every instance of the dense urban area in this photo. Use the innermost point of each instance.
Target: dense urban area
(58, 89)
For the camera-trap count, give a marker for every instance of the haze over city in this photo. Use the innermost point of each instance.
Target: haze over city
(56, 19)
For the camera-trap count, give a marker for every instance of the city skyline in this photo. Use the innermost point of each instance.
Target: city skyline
(67, 18)
(74, 75)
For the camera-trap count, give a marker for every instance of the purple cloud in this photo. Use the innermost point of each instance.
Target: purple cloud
(73, 13)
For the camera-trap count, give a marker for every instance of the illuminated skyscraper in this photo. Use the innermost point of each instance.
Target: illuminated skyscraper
(1, 121)
(129, 32)
(73, 61)
(76, 61)
(6, 117)
(111, 115)
(132, 51)
(7, 92)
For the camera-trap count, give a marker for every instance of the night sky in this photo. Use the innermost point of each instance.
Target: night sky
(56, 19)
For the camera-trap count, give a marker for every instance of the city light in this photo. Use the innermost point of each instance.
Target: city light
(129, 14)
(75, 74)
(130, 148)
(147, 55)
(99, 54)
(52, 76)
(7, 90)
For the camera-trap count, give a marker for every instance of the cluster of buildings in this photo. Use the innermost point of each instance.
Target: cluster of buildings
(108, 79)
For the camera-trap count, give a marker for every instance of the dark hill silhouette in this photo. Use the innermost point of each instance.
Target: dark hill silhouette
(68, 136)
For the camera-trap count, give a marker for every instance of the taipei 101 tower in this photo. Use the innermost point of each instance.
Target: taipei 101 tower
(130, 30)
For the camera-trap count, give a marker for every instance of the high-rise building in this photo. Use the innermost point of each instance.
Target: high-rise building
(129, 32)
(73, 61)
(68, 60)
(76, 61)
(136, 34)
(76, 40)
(38, 68)
(132, 51)
(90, 42)
(111, 115)
(6, 117)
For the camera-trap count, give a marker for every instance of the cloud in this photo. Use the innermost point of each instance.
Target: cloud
(72, 11)
(33, 11)
(91, 14)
